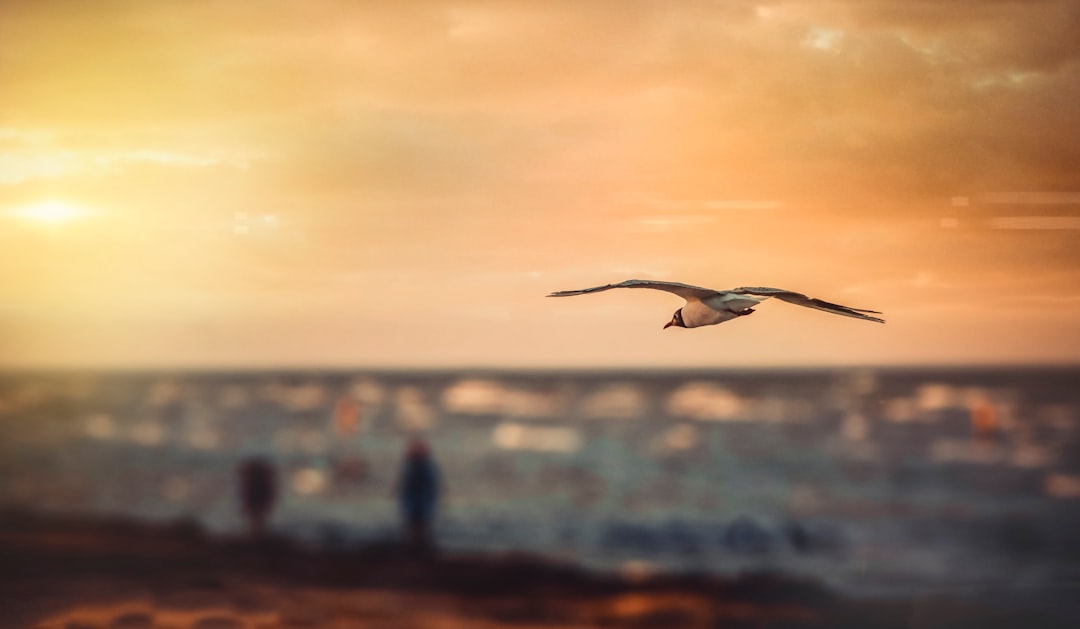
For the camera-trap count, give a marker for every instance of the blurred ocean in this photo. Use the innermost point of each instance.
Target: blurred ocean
(878, 481)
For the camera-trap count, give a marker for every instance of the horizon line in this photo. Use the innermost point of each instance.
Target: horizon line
(390, 368)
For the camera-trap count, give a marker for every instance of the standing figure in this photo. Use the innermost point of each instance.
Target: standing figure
(258, 493)
(418, 493)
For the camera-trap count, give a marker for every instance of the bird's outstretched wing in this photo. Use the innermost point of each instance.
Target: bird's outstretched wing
(802, 300)
(682, 290)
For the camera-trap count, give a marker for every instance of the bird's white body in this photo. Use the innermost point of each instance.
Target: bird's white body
(705, 306)
(717, 309)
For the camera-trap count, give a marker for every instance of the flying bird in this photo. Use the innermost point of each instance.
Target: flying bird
(705, 306)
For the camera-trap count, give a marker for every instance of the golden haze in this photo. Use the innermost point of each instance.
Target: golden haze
(353, 183)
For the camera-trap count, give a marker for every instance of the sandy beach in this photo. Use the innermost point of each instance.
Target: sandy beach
(98, 574)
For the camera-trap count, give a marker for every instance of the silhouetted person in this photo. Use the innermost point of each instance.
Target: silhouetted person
(418, 493)
(258, 493)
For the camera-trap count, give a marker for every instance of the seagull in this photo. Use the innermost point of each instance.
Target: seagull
(705, 306)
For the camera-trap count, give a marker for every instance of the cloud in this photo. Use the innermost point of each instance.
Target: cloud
(913, 99)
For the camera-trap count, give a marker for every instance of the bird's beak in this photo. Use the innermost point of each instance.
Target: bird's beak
(669, 324)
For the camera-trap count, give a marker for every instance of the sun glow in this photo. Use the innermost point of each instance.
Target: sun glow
(50, 212)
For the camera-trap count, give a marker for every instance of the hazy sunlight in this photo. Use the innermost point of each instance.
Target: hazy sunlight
(51, 212)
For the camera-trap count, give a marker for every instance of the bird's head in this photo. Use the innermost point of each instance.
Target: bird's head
(676, 320)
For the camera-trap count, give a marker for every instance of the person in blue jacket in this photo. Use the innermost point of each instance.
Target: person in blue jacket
(418, 493)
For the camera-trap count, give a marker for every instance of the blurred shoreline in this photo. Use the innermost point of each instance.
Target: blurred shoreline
(902, 484)
(115, 572)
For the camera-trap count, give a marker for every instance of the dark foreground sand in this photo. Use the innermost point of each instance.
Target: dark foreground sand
(107, 574)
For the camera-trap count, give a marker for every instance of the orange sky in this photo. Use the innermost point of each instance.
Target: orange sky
(358, 183)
